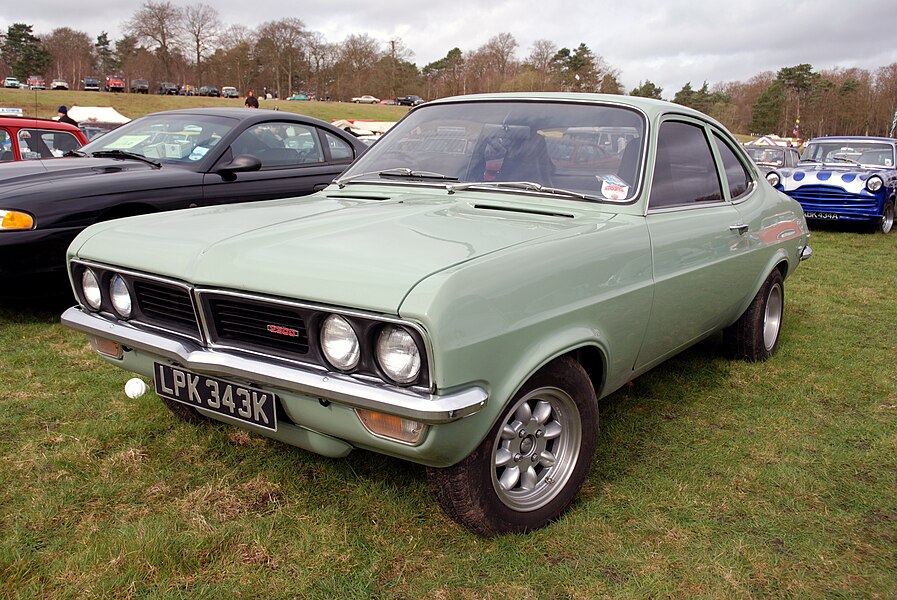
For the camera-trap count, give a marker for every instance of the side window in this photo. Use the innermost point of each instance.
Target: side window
(6, 153)
(793, 157)
(684, 169)
(280, 145)
(339, 150)
(736, 174)
(32, 145)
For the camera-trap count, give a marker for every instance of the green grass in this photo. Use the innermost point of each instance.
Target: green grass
(43, 103)
(713, 479)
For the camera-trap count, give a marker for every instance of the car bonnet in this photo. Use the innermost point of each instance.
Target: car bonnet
(361, 253)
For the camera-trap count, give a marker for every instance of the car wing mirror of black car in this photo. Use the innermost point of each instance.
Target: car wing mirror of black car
(241, 163)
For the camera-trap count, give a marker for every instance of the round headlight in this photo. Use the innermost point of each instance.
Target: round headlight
(90, 288)
(339, 343)
(398, 354)
(874, 183)
(121, 296)
(773, 178)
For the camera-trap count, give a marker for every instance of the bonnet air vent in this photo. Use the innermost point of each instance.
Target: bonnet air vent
(525, 211)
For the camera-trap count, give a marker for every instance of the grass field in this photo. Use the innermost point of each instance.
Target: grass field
(713, 479)
(43, 103)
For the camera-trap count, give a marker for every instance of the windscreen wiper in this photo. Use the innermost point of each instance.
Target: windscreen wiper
(124, 154)
(412, 174)
(398, 172)
(77, 153)
(521, 185)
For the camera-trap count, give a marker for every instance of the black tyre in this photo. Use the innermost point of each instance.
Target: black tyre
(755, 335)
(533, 463)
(887, 220)
(184, 412)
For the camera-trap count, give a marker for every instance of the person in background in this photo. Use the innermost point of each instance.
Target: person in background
(64, 117)
(251, 100)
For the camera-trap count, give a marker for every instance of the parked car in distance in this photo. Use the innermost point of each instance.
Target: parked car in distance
(114, 83)
(772, 157)
(163, 161)
(90, 84)
(229, 91)
(31, 139)
(366, 99)
(11, 82)
(409, 100)
(418, 309)
(209, 90)
(298, 97)
(139, 86)
(36, 82)
(168, 88)
(186, 90)
(59, 84)
(846, 180)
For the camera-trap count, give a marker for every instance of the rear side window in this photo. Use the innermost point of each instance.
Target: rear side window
(684, 169)
(736, 175)
(340, 151)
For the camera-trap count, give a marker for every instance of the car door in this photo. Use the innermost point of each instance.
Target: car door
(297, 159)
(696, 242)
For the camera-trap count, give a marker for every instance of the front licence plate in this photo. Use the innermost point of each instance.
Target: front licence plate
(827, 216)
(239, 402)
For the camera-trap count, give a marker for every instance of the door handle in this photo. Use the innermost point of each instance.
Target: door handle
(741, 228)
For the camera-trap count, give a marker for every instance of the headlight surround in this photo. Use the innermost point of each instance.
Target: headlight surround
(90, 289)
(773, 178)
(339, 343)
(15, 220)
(120, 296)
(398, 354)
(874, 183)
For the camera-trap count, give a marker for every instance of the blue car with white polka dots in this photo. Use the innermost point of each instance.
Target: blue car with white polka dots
(844, 179)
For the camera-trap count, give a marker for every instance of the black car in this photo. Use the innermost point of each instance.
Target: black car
(209, 90)
(163, 161)
(168, 89)
(409, 100)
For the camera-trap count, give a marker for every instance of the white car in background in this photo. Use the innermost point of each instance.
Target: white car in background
(366, 99)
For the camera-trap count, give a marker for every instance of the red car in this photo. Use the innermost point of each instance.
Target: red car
(115, 83)
(28, 138)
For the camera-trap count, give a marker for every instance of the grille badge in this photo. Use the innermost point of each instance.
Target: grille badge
(280, 330)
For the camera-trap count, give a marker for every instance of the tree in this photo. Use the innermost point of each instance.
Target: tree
(72, 54)
(647, 90)
(769, 109)
(158, 24)
(445, 77)
(583, 71)
(281, 42)
(540, 60)
(23, 52)
(200, 23)
(105, 59)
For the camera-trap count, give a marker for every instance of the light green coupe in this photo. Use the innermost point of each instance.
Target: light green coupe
(461, 297)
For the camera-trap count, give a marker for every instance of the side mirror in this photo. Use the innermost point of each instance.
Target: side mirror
(240, 163)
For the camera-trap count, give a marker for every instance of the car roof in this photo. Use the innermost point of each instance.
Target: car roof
(854, 138)
(255, 115)
(649, 106)
(14, 121)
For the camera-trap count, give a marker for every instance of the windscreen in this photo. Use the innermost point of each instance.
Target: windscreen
(591, 149)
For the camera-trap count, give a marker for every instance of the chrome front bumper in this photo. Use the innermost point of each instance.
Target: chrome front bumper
(422, 407)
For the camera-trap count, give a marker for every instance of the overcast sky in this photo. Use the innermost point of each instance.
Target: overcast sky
(669, 42)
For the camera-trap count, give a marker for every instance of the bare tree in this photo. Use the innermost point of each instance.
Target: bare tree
(358, 56)
(201, 24)
(159, 25)
(72, 53)
(540, 58)
(282, 43)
